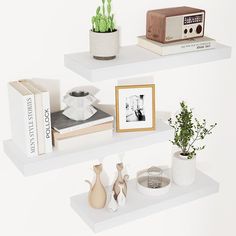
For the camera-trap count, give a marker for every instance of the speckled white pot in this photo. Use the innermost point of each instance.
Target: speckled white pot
(183, 170)
(104, 46)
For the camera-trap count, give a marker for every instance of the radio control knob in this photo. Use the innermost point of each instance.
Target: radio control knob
(199, 29)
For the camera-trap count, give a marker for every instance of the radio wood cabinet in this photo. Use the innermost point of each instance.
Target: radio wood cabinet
(175, 24)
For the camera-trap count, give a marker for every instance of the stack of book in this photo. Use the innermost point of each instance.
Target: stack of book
(70, 134)
(188, 45)
(30, 117)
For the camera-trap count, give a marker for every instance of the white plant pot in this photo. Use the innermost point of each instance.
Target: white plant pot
(104, 46)
(183, 169)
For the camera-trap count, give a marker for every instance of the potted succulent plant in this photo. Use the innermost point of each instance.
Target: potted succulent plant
(188, 131)
(104, 37)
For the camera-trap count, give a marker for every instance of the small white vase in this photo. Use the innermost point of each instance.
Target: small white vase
(79, 102)
(79, 113)
(79, 105)
(183, 169)
(104, 46)
(113, 205)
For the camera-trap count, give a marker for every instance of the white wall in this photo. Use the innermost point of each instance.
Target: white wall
(34, 37)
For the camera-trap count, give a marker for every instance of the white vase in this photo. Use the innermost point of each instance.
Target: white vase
(79, 105)
(104, 46)
(113, 205)
(79, 113)
(80, 101)
(183, 169)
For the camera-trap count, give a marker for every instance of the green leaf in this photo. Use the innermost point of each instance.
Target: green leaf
(189, 130)
(98, 10)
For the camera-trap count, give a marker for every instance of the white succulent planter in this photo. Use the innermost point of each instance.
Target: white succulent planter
(80, 100)
(104, 46)
(183, 169)
(79, 105)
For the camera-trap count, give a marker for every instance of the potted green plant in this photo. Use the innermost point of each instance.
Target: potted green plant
(104, 37)
(187, 132)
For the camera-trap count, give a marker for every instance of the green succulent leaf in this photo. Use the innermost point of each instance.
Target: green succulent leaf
(104, 20)
(102, 25)
(98, 10)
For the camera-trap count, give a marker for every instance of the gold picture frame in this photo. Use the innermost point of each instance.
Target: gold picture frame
(148, 124)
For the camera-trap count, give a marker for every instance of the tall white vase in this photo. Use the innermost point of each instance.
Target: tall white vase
(183, 169)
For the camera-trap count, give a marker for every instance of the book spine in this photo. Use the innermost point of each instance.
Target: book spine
(84, 141)
(195, 46)
(39, 123)
(85, 125)
(80, 132)
(30, 126)
(169, 49)
(46, 122)
(145, 43)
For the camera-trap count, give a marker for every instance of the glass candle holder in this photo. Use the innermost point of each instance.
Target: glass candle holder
(154, 177)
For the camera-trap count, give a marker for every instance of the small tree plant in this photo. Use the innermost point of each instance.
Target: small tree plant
(104, 20)
(189, 130)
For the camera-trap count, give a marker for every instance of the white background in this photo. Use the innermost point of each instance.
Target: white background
(34, 36)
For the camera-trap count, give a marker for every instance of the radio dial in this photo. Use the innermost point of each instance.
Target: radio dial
(199, 29)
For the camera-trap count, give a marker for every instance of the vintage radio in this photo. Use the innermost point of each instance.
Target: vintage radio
(174, 24)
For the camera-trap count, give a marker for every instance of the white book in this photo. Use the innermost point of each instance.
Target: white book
(43, 118)
(188, 45)
(83, 141)
(23, 121)
(52, 86)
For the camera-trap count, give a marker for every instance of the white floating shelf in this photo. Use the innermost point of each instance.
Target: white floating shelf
(139, 205)
(120, 142)
(134, 60)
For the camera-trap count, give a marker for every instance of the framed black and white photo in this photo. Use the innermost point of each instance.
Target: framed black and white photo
(135, 108)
